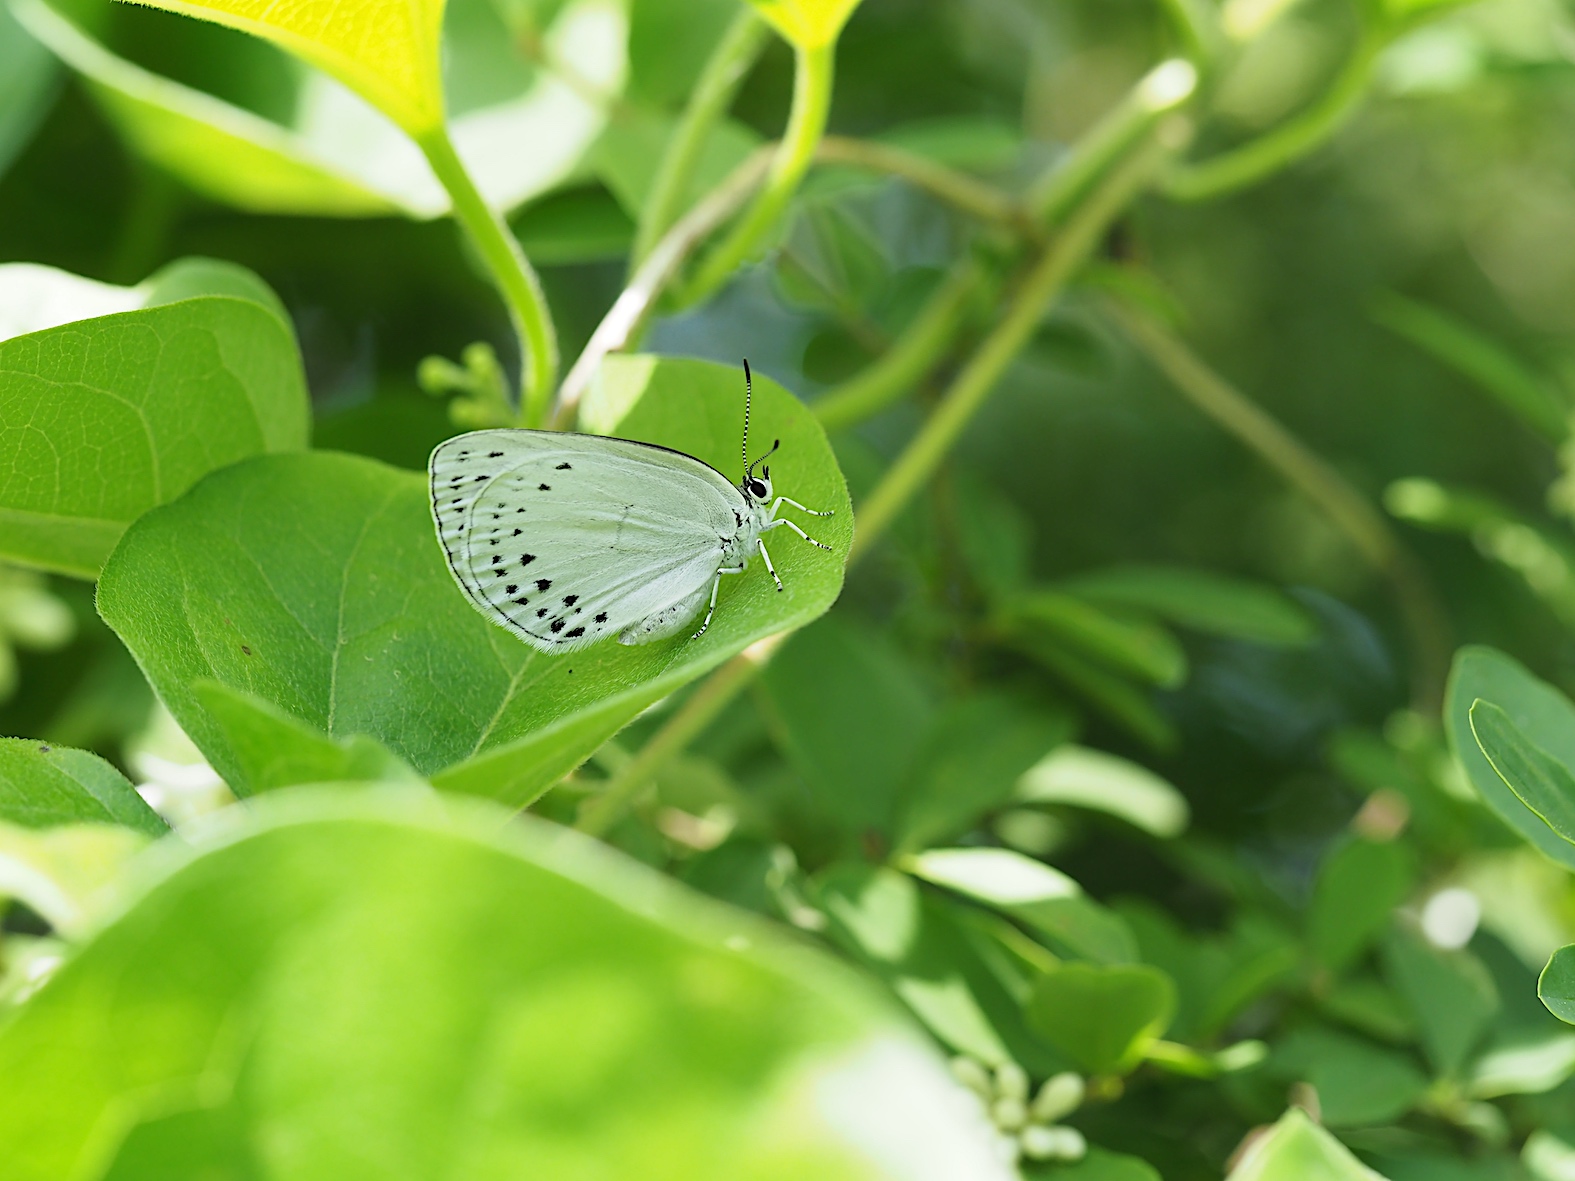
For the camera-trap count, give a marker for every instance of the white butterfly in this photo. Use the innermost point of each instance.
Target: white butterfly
(566, 539)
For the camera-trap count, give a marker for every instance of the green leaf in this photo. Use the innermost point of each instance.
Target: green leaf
(28, 79)
(316, 583)
(850, 711)
(1359, 884)
(385, 50)
(273, 749)
(1200, 600)
(1451, 992)
(1357, 1082)
(113, 416)
(970, 764)
(484, 998)
(238, 157)
(1103, 1017)
(629, 154)
(1497, 371)
(1538, 780)
(807, 24)
(1084, 778)
(1296, 1149)
(1098, 1165)
(1134, 646)
(1033, 893)
(1556, 985)
(42, 786)
(1531, 1064)
(1543, 715)
(66, 874)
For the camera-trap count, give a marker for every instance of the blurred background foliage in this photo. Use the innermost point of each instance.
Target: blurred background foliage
(1248, 776)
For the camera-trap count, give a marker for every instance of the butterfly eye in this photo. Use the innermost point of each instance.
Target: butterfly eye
(758, 490)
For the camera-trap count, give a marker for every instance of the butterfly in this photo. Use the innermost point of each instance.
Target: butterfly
(566, 539)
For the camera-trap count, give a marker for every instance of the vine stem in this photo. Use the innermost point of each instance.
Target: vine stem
(1060, 260)
(687, 723)
(714, 90)
(511, 271)
(813, 72)
(1351, 512)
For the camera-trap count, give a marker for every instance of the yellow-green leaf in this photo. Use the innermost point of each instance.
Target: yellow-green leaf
(808, 24)
(386, 50)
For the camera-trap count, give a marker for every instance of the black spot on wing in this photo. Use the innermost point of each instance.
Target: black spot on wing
(511, 589)
(573, 633)
(527, 559)
(562, 467)
(540, 611)
(544, 488)
(602, 618)
(543, 584)
(556, 626)
(570, 600)
(494, 455)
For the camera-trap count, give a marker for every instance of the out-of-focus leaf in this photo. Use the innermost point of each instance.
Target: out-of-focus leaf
(104, 419)
(1540, 712)
(808, 24)
(273, 749)
(482, 995)
(1137, 647)
(316, 583)
(1296, 1149)
(42, 786)
(580, 225)
(1531, 1065)
(629, 153)
(971, 763)
(64, 874)
(1085, 778)
(1033, 893)
(1129, 706)
(972, 143)
(1497, 371)
(1098, 1165)
(1359, 884)
(1556, 985)
(995, 536)
(852, 712)
(1103, 1017)
(1201, 600)
(28, 77)
(1451, 993)
(1538, 780)
(1357, 1082)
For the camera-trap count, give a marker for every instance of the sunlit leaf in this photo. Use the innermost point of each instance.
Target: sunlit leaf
(43, 786)
(1085, 778)
(808, 24)
(1296, 1149)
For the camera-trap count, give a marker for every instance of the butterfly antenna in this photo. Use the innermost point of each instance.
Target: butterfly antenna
(749, 394)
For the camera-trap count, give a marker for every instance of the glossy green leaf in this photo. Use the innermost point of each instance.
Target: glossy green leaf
(1296, 1149)
(1134, 646)
(1033, 893)
(1201, 600)
(385, 50)
(1556, 985)
(316, 583)
(1451, 994)
(1358, 886)
(1103, 1017)
(1085, 778)
(1357, 1082)
(1539, 711)
(480, 995)
(102, 420)
(340, 157)
(272, 749)
(1538, 780)
(42, 785)
(808, 24)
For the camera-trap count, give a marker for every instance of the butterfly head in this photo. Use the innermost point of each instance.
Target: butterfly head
(757, 487)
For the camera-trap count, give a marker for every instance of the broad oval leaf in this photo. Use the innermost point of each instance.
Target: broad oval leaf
(807, 24)
(378, 985)
(103, 419)
(388, 51)
(1296, 1149)
(1539, 711)
(1556, 985)
(316, 583)
(1102, 1017)
(1538, 780)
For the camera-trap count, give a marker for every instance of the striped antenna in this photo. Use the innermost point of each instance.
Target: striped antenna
(749, 394)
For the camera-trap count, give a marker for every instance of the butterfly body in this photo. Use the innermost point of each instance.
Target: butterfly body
(567, 539)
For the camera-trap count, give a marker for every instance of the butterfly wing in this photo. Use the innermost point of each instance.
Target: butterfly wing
(567, 539)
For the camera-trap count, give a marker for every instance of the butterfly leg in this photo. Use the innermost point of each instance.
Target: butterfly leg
(770, 569)
(796, 529)
(814, 512)
(715, 585)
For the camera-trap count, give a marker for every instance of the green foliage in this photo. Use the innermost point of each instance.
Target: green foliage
(1102, 1017)
(42, 786)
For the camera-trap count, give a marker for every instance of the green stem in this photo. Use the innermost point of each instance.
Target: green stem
(955, 188)
(806, 123)
(686, 724)
(921, 345)
(1350, 512)
(713, 95)
(1162, 89)
(511, 271)
(1059, 262)
(1261, 158)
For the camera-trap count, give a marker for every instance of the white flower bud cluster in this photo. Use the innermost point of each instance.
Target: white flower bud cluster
(1027, 1128)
